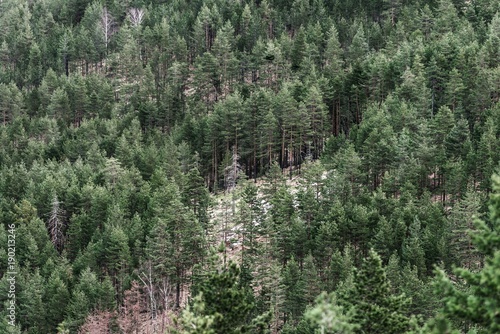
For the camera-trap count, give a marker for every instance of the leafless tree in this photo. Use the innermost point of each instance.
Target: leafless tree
(135, 15)
(166, 291)
(98, 322)
(232, 171)
(130, 315)
(108, 26)
(147, 280)
(55, 224)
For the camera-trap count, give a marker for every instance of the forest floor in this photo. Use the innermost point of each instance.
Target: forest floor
(227, 230)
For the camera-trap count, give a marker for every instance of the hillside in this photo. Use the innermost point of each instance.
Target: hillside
(253, 166)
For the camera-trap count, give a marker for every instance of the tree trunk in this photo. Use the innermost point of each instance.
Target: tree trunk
(178, 294)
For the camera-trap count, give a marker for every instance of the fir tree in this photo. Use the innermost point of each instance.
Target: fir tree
(375, 308)
(476, 306)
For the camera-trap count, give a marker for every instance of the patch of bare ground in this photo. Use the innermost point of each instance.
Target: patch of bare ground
(224, 217)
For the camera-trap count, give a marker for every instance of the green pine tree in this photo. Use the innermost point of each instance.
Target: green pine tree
(473, 300)
(375, 308)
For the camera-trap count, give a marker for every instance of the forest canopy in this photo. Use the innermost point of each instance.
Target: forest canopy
(253, 166)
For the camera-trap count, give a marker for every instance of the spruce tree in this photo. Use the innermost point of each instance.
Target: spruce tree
(477, 305)
(375, 308)
(227, 303)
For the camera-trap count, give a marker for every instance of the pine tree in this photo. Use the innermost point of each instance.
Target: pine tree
(461, 219)
(326, 242)
(204, 30)
(318, 118)
(340, 268)
(176, 239)
(222, 48)
(414, 88)
(228, 303)
(116, 255)
(11, 105)
(310, 278)
(275, 180)
(253, 221)
(77, 94)
(32, 240)
(359, 46)
(492, 45)
(59, 106)
(77, 310)
(285, 225)
(35, 69)
(487, 156)
(260, 135)
(412, 251)
(477, 305)
(196, 194)
(376, 309)
(454, 91)
(31, 305)
(329, 317)
(299, 48)
(56, 297)
(194, 320)
(294, 288)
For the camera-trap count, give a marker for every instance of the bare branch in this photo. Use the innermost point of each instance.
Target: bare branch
(148, 284)
(135, 15)
(98, 322)
(108, 26)
(55, 224)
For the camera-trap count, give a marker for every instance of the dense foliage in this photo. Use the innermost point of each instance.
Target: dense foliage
(132, 133)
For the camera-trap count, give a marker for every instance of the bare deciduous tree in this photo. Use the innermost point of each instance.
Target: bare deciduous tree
(166, 291)
(108, 26)
(55, 224)
(147, 280)
(135, 15)
(159, 290)
(130, 318)
(232, 171)
(98, 322)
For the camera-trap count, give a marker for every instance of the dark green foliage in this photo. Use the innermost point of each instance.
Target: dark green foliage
(375, 308)
(474, 301)
(360, 124)
(326, 316)
(226, 301)
(294, 289)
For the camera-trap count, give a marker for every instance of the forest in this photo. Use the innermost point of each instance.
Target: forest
(249, 166)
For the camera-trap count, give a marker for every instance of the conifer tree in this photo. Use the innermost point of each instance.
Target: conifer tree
(193, 319)
(176, 240)
(196, 195)
(294, 288)
(359, 45)
(310, 278)
(477, 305)
(412, 251)
(55, 298)
(12, 103)
(375, 308)
(77, 310)
(59, 106)
(227, 302)
(462, 225)
(30, 304)
(327, 316)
